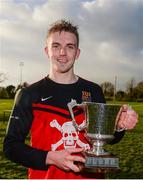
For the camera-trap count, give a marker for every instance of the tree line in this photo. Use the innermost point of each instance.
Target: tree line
(10, 91)
(133, 92)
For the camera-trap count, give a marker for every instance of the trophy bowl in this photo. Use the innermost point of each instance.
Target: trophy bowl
(100, 125)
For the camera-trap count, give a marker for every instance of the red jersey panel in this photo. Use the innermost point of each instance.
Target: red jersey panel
(52, 129)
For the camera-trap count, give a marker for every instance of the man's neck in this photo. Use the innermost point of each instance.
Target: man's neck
(63, 78)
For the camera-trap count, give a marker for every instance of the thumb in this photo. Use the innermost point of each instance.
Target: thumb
(123, 108)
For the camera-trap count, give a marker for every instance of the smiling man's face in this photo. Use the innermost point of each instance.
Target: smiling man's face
(62, 51)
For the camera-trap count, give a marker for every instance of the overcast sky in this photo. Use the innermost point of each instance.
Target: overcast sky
(111, 38)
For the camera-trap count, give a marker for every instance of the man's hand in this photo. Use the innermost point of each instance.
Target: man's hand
(126, 118)
(65, 160)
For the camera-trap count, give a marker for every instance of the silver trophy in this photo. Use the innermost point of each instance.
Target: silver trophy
(99, 125)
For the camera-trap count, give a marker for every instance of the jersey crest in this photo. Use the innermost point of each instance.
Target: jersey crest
(86, 96)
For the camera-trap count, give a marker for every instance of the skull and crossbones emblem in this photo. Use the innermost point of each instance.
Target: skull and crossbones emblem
(70, 136)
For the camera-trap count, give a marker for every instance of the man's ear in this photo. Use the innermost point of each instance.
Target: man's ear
(77, 53)
(46, 51)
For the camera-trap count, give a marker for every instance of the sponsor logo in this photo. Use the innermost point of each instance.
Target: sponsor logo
(46, 98)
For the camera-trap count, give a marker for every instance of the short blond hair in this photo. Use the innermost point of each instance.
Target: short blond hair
(63, 25)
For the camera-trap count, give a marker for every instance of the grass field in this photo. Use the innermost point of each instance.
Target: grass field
(129, 150)
(8, 170)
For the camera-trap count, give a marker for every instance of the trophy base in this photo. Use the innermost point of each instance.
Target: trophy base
(101, 164)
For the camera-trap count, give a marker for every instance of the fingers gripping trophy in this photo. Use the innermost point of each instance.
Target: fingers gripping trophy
(100, 123)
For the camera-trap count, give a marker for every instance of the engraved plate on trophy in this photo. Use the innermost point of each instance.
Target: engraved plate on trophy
(100, 122)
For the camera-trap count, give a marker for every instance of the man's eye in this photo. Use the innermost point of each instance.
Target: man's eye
(55, 46)
(71, 47)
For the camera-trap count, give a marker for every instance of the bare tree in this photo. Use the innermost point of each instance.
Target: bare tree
(138, 91)
(108, 89)
(130, 89)
(140, 86)
(2, 77)
(130, 86)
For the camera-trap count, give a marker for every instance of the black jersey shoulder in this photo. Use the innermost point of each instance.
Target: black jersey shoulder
(35, 90)
(88, 83)
(37, 86)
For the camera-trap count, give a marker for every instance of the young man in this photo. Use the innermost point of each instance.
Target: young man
(42, 110)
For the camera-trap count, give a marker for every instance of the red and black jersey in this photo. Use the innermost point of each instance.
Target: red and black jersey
(41, 109)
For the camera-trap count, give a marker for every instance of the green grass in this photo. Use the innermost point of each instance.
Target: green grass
(5, 104)
(129, 150)
(8, 170)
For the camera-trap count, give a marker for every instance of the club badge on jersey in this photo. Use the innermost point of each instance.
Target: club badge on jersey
(86, 96)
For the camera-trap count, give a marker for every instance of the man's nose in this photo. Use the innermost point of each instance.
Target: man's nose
(62, 51)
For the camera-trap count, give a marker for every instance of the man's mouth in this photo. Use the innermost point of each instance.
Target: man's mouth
(62, 60)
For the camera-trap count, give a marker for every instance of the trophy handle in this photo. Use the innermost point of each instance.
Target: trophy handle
(71, 105)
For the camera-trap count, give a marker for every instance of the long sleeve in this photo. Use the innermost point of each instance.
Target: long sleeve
(117, 137)
(18, 128)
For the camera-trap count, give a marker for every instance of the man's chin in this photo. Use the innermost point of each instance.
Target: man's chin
(64, 70)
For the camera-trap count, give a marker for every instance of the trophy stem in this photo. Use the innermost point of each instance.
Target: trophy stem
(97, 148)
